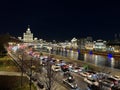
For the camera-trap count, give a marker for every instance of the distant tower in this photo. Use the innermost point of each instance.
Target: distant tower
(28, 36)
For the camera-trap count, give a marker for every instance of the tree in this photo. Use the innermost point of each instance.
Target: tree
(49, 76)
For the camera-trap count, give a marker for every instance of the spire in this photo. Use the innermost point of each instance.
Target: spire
(28, 29)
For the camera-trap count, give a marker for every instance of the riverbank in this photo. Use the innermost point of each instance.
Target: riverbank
(90, 66)
(104, 53)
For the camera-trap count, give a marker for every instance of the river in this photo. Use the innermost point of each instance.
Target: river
(98, 60)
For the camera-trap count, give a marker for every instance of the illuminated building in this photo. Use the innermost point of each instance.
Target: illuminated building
(99, 45)
(28, 36)
(74, 43)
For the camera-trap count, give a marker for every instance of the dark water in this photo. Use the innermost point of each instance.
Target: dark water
(98, 60)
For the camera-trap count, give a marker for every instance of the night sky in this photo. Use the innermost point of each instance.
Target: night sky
(61, 19)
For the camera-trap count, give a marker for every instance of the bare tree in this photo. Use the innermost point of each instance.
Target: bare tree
(49, 76)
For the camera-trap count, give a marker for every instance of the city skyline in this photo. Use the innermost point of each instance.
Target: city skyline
(61, 20)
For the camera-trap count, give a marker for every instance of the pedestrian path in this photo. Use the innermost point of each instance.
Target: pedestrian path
(11, 73)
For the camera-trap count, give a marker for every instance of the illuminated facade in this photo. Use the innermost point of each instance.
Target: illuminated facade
(89, 45)
(74, 43)
(99, 45)
(28, 36)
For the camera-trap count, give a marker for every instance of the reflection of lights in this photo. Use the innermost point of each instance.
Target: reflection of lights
(116, 50)
(70, 48)
(78, 51)
(72, 51)
(85, 56)
(75, 55)
(71, 54)
(110, 55)
(90, 52)
(112, 59)
(112, 62)
(96, 59)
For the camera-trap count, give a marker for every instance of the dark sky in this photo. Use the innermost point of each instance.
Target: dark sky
(61, 19)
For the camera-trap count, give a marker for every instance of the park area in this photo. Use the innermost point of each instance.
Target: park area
(12, 82)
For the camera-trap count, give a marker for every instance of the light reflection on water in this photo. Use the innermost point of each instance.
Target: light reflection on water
(92, 58)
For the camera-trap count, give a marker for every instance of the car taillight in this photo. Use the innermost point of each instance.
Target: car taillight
(116, 82)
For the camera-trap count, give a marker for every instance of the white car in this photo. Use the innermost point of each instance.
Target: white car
(56, 68)
(71, 83)
(91, 81)
(84, 74)
(77, 69)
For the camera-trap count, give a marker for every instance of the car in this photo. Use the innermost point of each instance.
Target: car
(77, 69)
(56, 68)
(87, 73)
(107, 83)
(67, 74)
(116, 80)
(70, 82)
(65, 68)
(84, 74)
(91, 81)
(93, 87)
(111, 82)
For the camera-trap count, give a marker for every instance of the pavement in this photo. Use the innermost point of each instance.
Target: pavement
(11, 73)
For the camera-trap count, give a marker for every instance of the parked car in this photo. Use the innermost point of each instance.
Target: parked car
(77, 69)
(70, 82)
(65, 68)
(84, 74)
(111, 82)
(56, 68)
(107, 83)
(67, 74)
(91, 81)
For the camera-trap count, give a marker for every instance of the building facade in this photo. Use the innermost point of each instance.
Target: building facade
(28, 36)
(99, 45)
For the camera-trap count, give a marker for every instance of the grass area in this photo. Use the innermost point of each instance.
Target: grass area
(6, 64)
(5, 58)
(14, 83)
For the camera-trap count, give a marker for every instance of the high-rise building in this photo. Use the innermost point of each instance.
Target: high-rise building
(28, 36)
